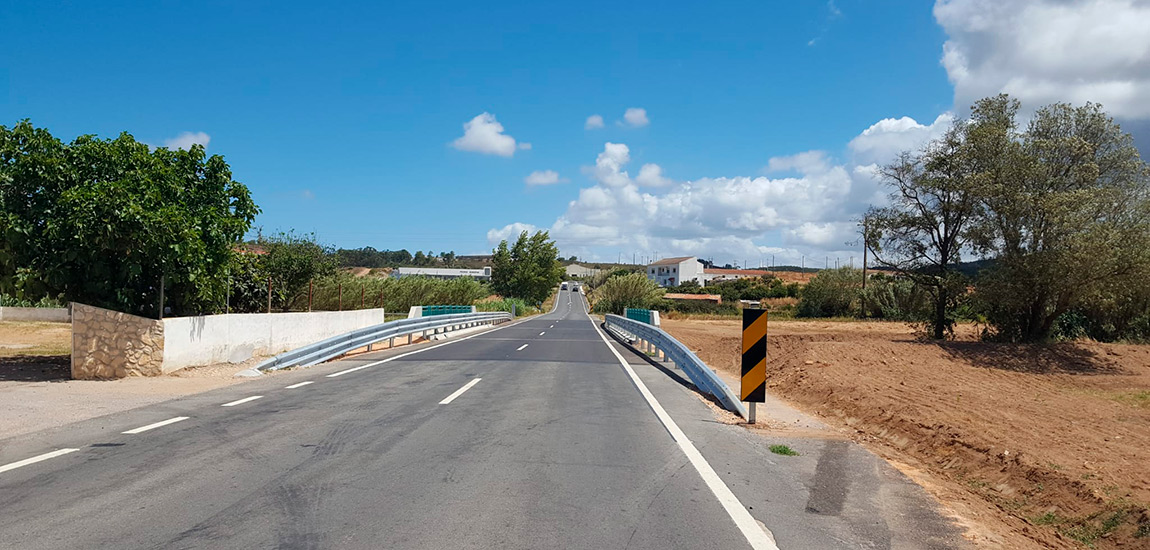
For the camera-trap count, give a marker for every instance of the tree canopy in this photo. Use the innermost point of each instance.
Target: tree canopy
(530, 269)
(103, 221)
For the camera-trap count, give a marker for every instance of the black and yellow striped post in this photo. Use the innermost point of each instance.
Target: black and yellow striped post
(754, 381)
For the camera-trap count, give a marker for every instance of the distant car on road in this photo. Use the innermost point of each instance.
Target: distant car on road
(563, 286)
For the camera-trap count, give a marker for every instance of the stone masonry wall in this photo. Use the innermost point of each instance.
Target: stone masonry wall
(110, 344)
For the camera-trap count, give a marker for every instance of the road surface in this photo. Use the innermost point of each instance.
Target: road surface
(538, 434)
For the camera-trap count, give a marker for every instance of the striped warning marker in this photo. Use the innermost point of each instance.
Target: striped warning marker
(754, 383)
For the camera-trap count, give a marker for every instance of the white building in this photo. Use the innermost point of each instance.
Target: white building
(674, 271)
(442, 273)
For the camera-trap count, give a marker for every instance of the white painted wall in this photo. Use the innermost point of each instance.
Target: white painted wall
(233, 338)
(38, 314)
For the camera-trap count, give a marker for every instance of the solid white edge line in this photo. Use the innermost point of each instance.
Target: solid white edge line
(143, 429)
(36, 459)
(520, 348)
(459, 392)
(743, 519)
(300, 385)
(447, 343)
(241, 401)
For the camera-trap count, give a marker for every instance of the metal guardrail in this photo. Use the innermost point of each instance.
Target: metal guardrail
(335, 346)
(700, 374)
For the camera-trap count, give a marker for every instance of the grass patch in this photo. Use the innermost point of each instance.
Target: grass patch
(783, 450)
(1139, 399)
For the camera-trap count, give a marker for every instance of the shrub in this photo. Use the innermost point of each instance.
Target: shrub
(521, 307)
(831, 293)
(633, 290)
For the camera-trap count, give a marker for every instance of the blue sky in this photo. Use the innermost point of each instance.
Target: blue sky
(343, 120)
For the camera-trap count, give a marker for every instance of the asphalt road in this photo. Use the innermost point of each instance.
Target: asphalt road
(538, 434)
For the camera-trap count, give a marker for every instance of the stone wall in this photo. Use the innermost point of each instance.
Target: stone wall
(110, 344)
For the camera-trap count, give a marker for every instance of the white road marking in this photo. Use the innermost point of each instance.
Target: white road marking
(755, 534)
(35, 459)
(520, 348)
(552, 326)
(300, 385)
(402, 355)
(459, 392)
(542, 333)
(241, 401)
(143, 429)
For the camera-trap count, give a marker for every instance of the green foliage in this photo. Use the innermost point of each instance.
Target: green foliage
(395, 295)
(896, 299)
(521, 307)
(1067, 218)
(292, 261)
(783, 450)
(831, 293)
(46, 301)
(370, 257)
(696, 307)
(632, 290)
(102, 221)
(529, 269)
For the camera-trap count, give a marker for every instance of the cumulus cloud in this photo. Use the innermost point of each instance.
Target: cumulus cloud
(1045, 51)
(636, 117)
(509, 231)
(888, 137)
(484, 134)
(803, 206)
(651, 175)
(187, 139)
(543, 177)
(594, 122)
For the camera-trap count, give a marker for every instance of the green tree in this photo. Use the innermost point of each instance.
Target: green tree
(926, 227)
(291, 262)
(831, 293)
(105, 221)
(633, 290)
(530, 269)
(1067, 217)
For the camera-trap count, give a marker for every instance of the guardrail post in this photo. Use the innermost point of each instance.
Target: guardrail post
(391, 342)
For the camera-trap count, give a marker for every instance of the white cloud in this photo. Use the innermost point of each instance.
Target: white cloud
(186, 139)
(804, 206)
(509, 232)
(543, 177)
(888, 137)
(1043, 51)
(484, 134)
(636, 117)
(651, 175)
(594, 122)
(523, 145)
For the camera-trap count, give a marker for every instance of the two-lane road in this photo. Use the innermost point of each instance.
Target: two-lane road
(538, 434)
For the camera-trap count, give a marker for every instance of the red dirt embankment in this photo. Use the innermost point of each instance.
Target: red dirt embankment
(1037, 446)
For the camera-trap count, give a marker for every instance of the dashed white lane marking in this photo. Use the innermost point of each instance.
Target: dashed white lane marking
(242, 401)
(300, 385)
(143, 429)
(542, 333)
(520, 348)
(552, 326)
(751, 529)
(35, 459)
(459, 392)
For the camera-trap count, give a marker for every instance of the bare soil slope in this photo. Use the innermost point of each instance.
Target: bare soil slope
(1047, 446)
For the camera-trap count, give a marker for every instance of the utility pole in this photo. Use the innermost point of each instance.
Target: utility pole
(864, 268)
